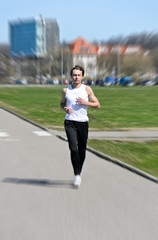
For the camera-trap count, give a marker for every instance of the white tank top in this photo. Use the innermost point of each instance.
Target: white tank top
(79, 112)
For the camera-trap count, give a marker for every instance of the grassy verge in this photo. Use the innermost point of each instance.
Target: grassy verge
(140, 155)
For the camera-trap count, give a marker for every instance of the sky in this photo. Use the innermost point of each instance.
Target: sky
(95, 20)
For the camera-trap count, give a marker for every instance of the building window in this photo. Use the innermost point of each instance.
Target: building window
(87, 50)
(81, 50)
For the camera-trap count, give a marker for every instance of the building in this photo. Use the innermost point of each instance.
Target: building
(52, 34)
(33, 37)
(28, 38)
(84, 53)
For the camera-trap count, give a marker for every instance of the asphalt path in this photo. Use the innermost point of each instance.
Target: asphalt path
(38, 201)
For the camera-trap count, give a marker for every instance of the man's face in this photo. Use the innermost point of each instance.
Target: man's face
(77, 76)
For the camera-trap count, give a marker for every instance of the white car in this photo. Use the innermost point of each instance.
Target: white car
(150, 83)
(131, 84)
(55, 81)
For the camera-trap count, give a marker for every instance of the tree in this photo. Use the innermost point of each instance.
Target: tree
(154, 58)
(106, 64)
(136, 64)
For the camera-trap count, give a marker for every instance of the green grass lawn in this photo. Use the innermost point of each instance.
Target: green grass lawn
(121, 107)
(143, 156)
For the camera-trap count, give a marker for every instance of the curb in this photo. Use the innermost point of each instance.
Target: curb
(97, 153)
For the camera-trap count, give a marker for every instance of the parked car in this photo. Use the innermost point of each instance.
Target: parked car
(102, 83)
(109, 81)
(155, 82)
(131, 84)
(144, 82)
(89, 82)
(52, 81)
(49, 81)
(97, 82)
(66, 82)
(21, 81)
(150, 83)
(55, 81)
(126, 81)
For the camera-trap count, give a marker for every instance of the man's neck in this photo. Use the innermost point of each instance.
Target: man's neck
(74, 85)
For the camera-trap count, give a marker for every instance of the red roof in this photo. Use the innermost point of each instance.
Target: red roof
(82, 47)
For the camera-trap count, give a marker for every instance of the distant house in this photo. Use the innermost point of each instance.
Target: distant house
(84, 53)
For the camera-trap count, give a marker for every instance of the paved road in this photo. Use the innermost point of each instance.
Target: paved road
(37, 200)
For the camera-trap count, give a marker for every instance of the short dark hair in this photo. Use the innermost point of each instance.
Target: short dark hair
(77, 67)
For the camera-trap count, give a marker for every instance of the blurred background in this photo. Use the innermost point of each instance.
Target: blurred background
(116, 43)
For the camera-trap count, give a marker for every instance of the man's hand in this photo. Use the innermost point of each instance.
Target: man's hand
(68, 110)
(81, 101)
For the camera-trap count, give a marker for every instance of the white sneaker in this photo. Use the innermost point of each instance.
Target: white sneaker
(77, 180)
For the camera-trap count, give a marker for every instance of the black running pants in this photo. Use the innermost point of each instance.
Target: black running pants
(77, 134)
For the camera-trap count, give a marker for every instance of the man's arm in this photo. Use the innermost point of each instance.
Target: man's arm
(63, 99)
(63, 102)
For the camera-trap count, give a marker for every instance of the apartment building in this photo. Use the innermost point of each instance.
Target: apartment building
(33, 37)
(27, 37)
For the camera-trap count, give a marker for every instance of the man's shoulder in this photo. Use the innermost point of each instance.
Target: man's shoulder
(67, 88)
(64, 90)
(88, 88)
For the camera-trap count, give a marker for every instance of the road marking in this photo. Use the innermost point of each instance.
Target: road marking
(4, 134)
(9, 140)
(4, 137)
(42, 133)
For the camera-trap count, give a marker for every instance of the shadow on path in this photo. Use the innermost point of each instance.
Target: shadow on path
(40, 182)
